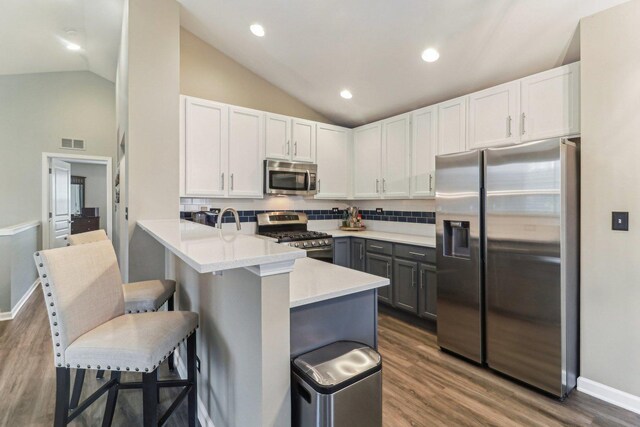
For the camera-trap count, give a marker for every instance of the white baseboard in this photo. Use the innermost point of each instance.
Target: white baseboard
(10, 315)
(609, 394)
(203, 415)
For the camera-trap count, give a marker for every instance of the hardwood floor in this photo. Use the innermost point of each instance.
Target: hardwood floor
(422, 385)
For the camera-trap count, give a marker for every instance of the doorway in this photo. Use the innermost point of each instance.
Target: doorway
(77, 196)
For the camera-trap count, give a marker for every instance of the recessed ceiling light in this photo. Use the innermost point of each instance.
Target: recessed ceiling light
(346, 94)
(257, 30)
(430, 55)
(73, 46)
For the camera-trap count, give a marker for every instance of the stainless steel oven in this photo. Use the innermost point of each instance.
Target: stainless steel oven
(324, 253)
(290, 178)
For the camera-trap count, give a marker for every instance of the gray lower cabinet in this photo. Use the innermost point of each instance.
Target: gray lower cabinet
(381, 265)
(428, 291)
(342, 251)
(358, 254)
(405, 289)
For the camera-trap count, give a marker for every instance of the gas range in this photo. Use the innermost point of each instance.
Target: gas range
(290, 228)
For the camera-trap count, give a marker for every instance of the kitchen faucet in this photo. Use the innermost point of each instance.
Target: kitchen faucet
(221, 214)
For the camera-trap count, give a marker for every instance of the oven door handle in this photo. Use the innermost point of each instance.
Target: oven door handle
(320, 249)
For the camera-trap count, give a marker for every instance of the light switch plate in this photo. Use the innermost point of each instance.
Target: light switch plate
(620, 221)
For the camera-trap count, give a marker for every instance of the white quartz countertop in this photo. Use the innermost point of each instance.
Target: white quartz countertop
(314, 281)
(408, 239)
(208, 249)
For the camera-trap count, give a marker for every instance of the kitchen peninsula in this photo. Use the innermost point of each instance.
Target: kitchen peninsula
(260, 303)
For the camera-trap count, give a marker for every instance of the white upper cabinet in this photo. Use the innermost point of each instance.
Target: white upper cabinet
(289, 139)
(452, 126)
(277, 137)
(203, 147)
(303, 136)
(424, 137)
(367, 143)
(246, 153)
(332, 154)
(395, 156)
(550, 104)
(493, 116)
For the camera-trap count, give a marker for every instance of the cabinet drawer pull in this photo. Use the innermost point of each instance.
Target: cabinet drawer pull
(376, 247)
(417, 253)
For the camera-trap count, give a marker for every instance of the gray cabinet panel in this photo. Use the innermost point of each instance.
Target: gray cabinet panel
(358, 254)
(405, 285)
(428, 292)
(380, 247)
(381, 265)
(342, 252)
(416, 253)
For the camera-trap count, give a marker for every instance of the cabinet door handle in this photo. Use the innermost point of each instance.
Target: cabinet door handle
(508, 126)
(222, 182)
(417, 253)
(384, 185)
(318, 186)
(376, 247)
(288, 147)
(413, 277)
(388, 275)
(377, 181)
(361, 247)
(523, 120)
(430, 182)
(295, 148)
(231, 181)
(421, 279)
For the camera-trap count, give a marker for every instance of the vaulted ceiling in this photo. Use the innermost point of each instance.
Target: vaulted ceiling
(34, 35)
(314, 49)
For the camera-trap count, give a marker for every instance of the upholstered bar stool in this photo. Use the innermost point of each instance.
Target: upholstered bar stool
(139, 297)
(85, 303)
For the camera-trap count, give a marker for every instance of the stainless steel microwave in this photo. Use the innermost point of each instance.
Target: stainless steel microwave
(290, 178)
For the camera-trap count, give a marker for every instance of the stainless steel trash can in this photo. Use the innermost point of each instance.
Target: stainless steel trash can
(339, 385)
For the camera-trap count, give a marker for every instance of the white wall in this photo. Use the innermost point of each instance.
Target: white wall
(610, 271)
(36, 111)
(95, 187)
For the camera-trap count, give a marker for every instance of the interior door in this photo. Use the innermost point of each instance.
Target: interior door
(59, 204)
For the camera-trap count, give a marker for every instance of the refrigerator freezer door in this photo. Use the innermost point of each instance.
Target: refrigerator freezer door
(526, 294)
(459, 255)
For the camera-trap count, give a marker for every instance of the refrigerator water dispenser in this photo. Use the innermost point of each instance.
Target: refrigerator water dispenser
(456, 239)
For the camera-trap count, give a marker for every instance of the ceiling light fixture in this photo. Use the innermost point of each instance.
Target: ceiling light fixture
(73, 46)
(257, 30)
(346, 94)
(430, 55)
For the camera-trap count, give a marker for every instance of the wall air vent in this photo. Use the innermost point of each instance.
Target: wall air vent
(72, 144)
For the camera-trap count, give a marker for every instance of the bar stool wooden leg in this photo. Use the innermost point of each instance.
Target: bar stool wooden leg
(112, 398)
(77, 388)
(63, 381)
(149, 399)
(191, 377)
(170, 308)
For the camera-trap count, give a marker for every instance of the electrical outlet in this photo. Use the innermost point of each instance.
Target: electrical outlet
(379, 210)
(215, 210)
(620, 221)
(197, 363)
(336, 210)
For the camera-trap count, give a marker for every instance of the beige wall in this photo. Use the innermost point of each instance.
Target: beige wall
(207, 73)
(150, 70)
(36, 111)
(610, 271)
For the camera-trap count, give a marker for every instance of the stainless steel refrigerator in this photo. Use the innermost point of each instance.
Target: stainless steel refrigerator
(507, 260)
